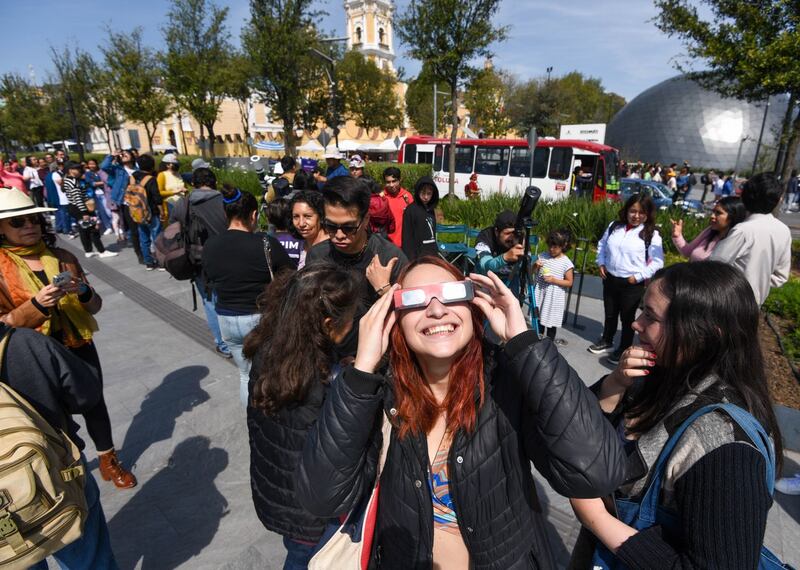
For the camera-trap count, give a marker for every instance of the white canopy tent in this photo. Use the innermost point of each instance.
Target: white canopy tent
(311, 146)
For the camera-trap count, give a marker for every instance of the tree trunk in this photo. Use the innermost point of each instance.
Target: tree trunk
(288, 139)
(451, 189)
(244, 116)
(786, 125)
(149, 135)
(791, 148)
(212, 138)
(202, 143)
(183, 133)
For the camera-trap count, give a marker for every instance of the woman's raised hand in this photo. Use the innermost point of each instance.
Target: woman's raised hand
(373, 332)
(636, 361)
(677, 228)
(500, 306)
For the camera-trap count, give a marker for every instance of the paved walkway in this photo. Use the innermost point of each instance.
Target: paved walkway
(175, 410)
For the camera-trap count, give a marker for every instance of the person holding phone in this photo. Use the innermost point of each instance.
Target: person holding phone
(43, 287)
(467, 420)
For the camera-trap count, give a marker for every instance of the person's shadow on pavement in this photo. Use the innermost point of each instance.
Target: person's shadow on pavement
(176, 514)
(178, 393)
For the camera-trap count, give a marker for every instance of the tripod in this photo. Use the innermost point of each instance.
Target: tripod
(526, 281)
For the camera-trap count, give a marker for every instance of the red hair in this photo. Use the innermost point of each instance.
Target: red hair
(416, 405)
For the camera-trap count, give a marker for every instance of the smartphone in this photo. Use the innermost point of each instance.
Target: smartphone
(62, 278)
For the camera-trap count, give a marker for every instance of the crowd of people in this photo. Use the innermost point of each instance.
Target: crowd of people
(396, 377)
(681, 179)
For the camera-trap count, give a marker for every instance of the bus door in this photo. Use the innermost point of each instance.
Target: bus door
(519, 172)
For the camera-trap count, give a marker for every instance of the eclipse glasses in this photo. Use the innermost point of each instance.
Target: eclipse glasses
(446, 293)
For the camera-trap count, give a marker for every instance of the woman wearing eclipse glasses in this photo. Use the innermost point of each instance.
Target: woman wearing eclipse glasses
(466, 417)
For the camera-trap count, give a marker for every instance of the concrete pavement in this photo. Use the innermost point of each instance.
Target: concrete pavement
(177, 421)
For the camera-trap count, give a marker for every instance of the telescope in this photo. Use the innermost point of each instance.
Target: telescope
(529, 200)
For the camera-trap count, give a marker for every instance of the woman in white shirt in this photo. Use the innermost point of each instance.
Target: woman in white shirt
(35, 184)
(628, 254)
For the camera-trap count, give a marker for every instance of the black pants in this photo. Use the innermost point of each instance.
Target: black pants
(89, 236)
(133, 230)
(549, 331)
(98, 423)
(37, 195)
(620, 301)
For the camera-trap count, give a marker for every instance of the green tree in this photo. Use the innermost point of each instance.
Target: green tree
(197, 60)
(419, 103)
(91, 88)
(287, 77)
(137, 80)
(448, 35)
(749, 48)
(238, 86)
(485, 98)
(367, 93)
(30, 114)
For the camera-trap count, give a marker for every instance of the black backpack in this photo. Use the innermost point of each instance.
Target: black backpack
(179, 248)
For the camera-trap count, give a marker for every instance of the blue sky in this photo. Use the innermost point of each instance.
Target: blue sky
(610, 39)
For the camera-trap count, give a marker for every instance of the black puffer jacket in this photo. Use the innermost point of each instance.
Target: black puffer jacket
(536, 409)
(276, 443)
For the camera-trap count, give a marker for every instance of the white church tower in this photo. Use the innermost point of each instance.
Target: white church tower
(369, 30)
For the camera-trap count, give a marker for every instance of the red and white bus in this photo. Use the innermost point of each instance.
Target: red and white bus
(503, 165)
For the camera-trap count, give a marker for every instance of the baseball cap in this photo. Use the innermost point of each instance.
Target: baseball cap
(170, 159)
(199, 163)
(356, 161)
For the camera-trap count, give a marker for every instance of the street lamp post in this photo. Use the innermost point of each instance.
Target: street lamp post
(738, 156)
(436, 94)
(330, 71)
(549, 71)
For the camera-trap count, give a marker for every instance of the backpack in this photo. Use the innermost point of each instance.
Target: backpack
(42, 501)
(179, 248)
(647, 513)
(136, 200)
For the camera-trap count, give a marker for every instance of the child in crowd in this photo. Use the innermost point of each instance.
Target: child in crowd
(554, 277)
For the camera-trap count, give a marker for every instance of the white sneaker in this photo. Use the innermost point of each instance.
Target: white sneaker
(107, 253)
(789, 485)
(109, 231)
(90, 254)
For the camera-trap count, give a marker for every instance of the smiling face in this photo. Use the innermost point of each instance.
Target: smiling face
(651, 322)
(636, 215)
(438, 331)
(306, 221)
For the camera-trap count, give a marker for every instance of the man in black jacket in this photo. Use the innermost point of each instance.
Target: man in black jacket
(149, 231)
(58, 384)
(377, 260)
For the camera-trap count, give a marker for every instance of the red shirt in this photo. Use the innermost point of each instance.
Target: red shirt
(397, 204)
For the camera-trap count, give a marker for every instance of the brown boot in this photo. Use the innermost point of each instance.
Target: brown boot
(112, 470)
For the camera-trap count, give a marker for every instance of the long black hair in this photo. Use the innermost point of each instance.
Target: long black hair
(710, 328)
(649, 208)
(737, 213)
(292, 352)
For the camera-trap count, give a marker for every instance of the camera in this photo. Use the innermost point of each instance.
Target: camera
(86, 224)
(62, 278)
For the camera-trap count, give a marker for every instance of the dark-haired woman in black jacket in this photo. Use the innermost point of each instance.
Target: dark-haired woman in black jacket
(467, 421)
(419, 220)
(292, 359)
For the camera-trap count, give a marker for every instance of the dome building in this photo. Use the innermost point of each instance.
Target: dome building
(679, 120)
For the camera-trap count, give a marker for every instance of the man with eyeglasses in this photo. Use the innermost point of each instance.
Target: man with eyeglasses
(377, 260)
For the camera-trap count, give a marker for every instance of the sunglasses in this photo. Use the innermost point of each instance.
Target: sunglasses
(18, 222)
(347, 229)
(446, 293)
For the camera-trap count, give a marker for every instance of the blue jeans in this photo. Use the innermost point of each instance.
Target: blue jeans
(298, 554)
(147, 235)
(63, 220)
(209, 305)
(100, 210)
(92, 551)
(234, 329)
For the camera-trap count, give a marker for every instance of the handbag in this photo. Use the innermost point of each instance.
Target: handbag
(348, 546)
(647, 513)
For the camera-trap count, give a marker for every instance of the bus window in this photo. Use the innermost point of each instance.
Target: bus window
(438, 156)
(520, 162)
(464, 159)
(424, 157)
(560, 163)
(492, 160)
(601, 173)
(410, 155)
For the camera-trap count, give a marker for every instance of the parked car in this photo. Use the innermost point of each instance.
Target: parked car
(661, 195)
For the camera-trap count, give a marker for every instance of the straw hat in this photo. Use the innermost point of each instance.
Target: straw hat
(14, 203)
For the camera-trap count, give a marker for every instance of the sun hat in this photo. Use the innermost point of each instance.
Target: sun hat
(15, 203)
(199, 163)
(356, 161)
(334, 154)
(170, 158)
